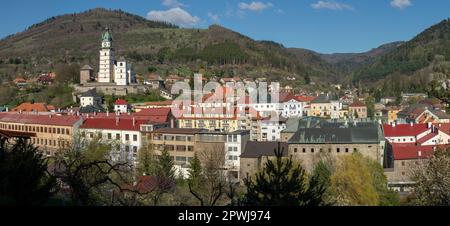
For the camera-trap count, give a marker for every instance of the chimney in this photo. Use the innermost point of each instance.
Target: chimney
(393, 124)
(412, 124)
(107, 113)
(117, 121)
(134, 122)
(419, 153)
(429, 125)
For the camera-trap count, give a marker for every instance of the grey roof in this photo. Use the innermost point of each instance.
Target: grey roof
(87, 67)
(90, 93)
(121, 59)
(324, 98)
(339, 133)
(92, 109)
(294, 124)
(440, 114)
(257, 149)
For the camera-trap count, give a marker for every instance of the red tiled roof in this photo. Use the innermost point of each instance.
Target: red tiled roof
(56, 120)
(159, 103)
(426, 138)
(404, 130)
(305, 98)
(408, 152)
(121, 102)
(147, 184)
(154, 112)
(113, 124)
(29, 107)
(357, 104)
(137, 116)
(443, 127)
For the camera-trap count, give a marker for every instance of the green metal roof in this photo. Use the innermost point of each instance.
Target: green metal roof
(107, 36)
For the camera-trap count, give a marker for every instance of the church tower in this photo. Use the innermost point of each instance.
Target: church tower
(106, 67)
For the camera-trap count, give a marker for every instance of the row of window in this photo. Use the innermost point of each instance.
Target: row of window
(180, 148)
(313, 150)
(109, 136)
(50, 142)
(36, 129)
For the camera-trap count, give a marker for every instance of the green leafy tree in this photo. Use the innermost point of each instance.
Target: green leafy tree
(433, 180)
(282, 183)
(206, 181)
(24, 179)
(360, 181)
(165, 177)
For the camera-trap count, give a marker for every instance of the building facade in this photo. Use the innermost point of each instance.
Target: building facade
(51, 132)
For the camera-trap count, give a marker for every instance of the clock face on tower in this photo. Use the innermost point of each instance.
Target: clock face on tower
(106, 44)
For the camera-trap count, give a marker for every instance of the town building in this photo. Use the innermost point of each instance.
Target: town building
(123, 134)
(183, 144)
(409, 145)
(422, 113)
(256, 154)
(28, 107)
(357, 110)
(91, 102)
(326, 106)
(50, 133)
(121, 106)
(333, 138)
(267, 129)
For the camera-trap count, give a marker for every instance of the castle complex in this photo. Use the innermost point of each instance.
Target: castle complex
(114, 76)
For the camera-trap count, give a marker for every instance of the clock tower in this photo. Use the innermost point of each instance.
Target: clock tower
(107, 59)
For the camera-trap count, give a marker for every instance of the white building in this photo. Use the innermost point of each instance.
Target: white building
(292, 108)
(110, 70)
(122, 75)
(90, 98)
(121, 106)
(123, 134)
(234, 146)
(267, 130)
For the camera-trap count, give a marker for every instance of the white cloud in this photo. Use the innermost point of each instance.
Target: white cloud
(176, 16)
(401, 4)
(255, 6)
(213, 17)
(173, 3)
(331, 5)
(279, 11)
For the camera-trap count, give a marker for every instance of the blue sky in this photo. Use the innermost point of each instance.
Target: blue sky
(325, 26)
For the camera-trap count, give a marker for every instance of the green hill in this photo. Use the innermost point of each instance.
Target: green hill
(149, 45)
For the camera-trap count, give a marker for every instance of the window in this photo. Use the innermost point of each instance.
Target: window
(295, 150)
(134, 149)
(312, 150)
(117, 136)
(127, 137)
(109, 136)
(403, 163)
(91, 135)
(190, 148)
(127, 148)
(346, 150)
(338, 150)
(304, 150)
(134, 137)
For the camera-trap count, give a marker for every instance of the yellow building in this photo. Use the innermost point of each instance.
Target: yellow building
(49, 132)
